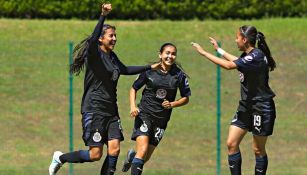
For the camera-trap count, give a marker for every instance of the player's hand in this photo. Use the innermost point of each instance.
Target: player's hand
(214, 43)
(106, 9)
(156, 66)
(166, 104)
(197, 47)
(134, 111)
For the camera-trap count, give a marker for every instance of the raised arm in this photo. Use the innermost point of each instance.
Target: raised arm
(93, 56)
(225, 54)
(105, 10)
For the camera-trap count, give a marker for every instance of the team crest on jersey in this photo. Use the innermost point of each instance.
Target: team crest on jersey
(247, 58)
(186, 82)
(115, 74)
(241, 76)
(97, 137)
(144, 127)
(161, 93)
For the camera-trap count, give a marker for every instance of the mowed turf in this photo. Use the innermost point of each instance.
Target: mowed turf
(34, 95)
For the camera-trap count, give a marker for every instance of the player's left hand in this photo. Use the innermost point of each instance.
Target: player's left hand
(166, 104)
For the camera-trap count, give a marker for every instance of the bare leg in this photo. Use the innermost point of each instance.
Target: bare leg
(234, 139)
(142, 145)
(109, 164)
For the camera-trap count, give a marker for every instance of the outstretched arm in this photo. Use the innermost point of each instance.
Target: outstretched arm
(225, 54)
(132, 70)
(226, 64)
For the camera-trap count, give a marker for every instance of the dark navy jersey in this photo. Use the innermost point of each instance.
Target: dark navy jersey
(254, 76)
(101, 77)
(159, 87)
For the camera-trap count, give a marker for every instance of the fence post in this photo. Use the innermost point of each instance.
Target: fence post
(71, 144)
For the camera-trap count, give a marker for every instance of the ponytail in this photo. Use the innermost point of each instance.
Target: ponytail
(79, 54)
(262, 45)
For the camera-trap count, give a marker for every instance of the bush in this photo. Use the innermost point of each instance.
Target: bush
(154, 9)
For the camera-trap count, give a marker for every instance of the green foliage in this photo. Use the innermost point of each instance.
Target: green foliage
(155, 9)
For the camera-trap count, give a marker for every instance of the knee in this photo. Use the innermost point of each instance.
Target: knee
(114, 150)
(233, 147)
(95, 155)
(259, 151)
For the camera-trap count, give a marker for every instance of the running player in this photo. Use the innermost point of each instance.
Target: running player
(100, 118)
(256, 111)
(155, 108)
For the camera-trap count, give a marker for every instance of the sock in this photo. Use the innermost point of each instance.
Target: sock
(76, 157)
(235, 161)
(109, 165)
(137, 166)
(261, 165)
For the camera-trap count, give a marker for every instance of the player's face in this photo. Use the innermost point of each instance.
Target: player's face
(168, 56)
(241, 41)
(108, 40)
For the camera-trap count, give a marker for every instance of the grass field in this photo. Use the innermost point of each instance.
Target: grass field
(34, 95)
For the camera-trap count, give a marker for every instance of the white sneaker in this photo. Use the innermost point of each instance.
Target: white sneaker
(55, 163)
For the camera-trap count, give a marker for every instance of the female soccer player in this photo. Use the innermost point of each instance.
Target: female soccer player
(256, 111)
(100, 118)
(155, 107)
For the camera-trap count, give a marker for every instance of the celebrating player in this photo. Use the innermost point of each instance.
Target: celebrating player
(100, 118)
(155, 108)
(256, 111)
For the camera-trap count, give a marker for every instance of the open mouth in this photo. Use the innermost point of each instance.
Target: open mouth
(112, 43)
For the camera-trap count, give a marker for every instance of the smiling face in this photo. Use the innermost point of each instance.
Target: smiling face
(108, 40)
(168, 56)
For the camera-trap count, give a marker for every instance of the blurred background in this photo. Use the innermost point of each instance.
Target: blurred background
(34, 80)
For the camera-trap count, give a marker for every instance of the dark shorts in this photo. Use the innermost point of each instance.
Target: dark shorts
(257, 118)
(145, 127)
(98, 129)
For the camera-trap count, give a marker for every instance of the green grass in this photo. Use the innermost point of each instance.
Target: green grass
(34, 94)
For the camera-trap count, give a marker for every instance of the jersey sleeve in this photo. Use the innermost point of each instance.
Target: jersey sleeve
(140, 81)
(93, 41)
(184, 87)
(93, 54)
(248, 62)
(131, 70)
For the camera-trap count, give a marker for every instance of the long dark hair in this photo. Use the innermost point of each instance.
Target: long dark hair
(177, 64)
(80, 52)
(253, 36)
